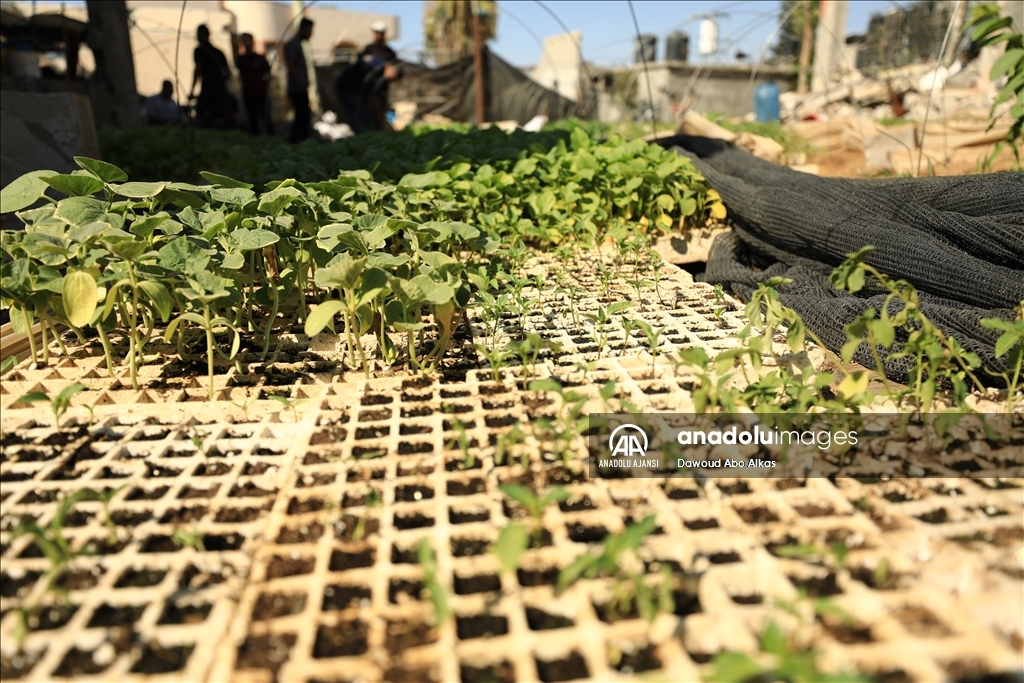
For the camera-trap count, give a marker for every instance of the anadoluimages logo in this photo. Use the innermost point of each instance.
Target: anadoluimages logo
(625, 441)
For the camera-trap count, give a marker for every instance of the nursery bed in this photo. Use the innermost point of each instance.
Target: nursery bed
(287, 567)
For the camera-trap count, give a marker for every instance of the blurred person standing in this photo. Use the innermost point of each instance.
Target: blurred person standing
(161, 108)
(379, 69)
(298, 79)
(254, 72)
(378, 53)
(212, 72)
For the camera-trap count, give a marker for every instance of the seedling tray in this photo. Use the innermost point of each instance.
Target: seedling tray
(292, 570)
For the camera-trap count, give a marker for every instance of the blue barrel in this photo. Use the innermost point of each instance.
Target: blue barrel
(766, 102)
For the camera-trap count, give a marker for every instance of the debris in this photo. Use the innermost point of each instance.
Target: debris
(758, 145)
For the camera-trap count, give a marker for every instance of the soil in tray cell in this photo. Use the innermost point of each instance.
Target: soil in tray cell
(19, 664)
(279, 566)
(300, 533)
(343, 560)
(402, 635)
(480, 626)
(499, 672)
(274, 605)
(175, 612)
(568, 668)
(157, 659)
(539, 620)
(340, 597)
(268, 652)
(480, 583)
(402, 590)
(546, 576)
(643, 659)
(113, 615)
(347, 639)
(468, 516)
(845, 632)
(11, 587)
(140, 578)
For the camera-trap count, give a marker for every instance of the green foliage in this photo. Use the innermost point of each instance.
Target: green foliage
(788, 664)
(58, 404)
(617, 558)
(990, 28)
(419, 234)
(937, 359)
(1011, 345)
(513, 540)
(50, 539)
(438, 594)
(534, 503)
(189, 538)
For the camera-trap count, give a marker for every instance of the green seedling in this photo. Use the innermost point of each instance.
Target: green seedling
(360, 286)
(8, 363)
(246, 406)
(373, 500)
(628, 324)
(513, 540)
(630, 586)
(569, 421)
(529, 350)
(189, 538)
(506, 442)
(291, 404)
(638, 283)
(657, 265)
(50, 539)
(602, 317)
(788, 664)
(653, 341)
(58, 404)
(436, 591)
(495, 357)
(138, 298)
(533, 503)
(206, 289)
(56, 548)
(1011, 345)
(936, 357)
(807, 551)
(462, 443)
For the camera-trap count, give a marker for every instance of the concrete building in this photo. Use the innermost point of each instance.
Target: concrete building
(678, 86)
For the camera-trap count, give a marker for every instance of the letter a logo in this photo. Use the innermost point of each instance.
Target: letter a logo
(627, 443)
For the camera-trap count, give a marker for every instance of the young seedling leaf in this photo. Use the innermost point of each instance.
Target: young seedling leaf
(322, 316)
(108, 173)
(78, 294)
(512, 541)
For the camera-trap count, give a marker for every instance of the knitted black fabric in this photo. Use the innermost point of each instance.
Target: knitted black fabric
(958, 240)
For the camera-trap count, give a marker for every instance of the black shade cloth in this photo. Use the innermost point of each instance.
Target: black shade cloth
(958, 240)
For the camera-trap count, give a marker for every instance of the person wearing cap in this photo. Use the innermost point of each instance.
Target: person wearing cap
(378, 51)
(379, 69)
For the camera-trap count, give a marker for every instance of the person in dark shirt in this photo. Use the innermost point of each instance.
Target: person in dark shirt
(379, 69)
(254, 72)
(298, 79)
(349, 89)
(212, 72)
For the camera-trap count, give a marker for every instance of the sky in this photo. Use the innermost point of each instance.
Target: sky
(607, 25)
